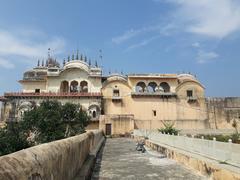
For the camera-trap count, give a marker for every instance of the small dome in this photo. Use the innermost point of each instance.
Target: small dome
(183, 77)
(77, 64)
(114, 77)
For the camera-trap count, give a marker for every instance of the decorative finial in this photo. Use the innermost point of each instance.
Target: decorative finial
(109, 72)
(42, 63)
(121, 72)
(38, 63)
(81, 58)
(89, 62)
(46, 64)
(96, 64)
(85, 58)
(49, 53)
(64, 62)
(73, 57)
(68, 58)
(77, 56)
(100, 54)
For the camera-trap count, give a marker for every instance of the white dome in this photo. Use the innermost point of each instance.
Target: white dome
(77, 64)
(186, 77)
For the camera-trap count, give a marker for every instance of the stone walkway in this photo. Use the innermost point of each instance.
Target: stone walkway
(119, 160)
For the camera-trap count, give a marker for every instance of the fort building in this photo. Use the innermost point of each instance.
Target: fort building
(119, 103)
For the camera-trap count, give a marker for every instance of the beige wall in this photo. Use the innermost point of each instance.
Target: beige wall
(31, 86)
(120, 124)
(60, 160)
(179, 110)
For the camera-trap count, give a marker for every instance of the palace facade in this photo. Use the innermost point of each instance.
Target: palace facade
(116, 103)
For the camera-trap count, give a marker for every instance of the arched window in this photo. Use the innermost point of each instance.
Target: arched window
(84, 86)
(94, 114)
(152, 87)
(74, 86)
(94, 111)
(140, 87)
(165, 87)
(64, 87)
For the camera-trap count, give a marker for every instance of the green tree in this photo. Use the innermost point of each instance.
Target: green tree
(11, 139)
(45, 122)
(74, 118)
(48, 122)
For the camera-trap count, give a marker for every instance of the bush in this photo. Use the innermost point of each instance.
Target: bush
(169, 128)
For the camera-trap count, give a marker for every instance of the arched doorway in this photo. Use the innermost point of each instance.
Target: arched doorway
(64, 87)
(140, 87)
(152, 87)
(74, 86)
(84, 86)
(165, 86)
(94, 111)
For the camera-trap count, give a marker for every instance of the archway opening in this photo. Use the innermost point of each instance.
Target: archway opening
(84, 86)
(74, 86)
(152, 87)
(140, 87)
(165, 87)
(64, 87)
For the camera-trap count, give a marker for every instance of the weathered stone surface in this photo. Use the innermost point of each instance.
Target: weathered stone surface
(205, 166)
(119, 160)
(60, 160)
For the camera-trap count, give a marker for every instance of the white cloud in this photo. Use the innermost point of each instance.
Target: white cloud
(160, 29)
(196, 45)
(127, 35)
(142, 43)
(205, 57)
(6, 64)
(25, 47)
(214, 18)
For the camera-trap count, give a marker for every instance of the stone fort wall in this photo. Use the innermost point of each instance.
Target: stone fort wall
(60, 159)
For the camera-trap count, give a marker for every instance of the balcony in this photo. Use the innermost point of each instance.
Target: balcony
(153, 94)
(51, 94)
(191, 99)
(116, 98)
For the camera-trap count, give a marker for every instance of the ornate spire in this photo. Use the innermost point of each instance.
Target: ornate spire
(68, 58)
(77, 58)
(42, 63)
(96, 64)
(46, 64)
(89, 62)
(85, 58)
(49, 53)
(38, 63)
(64, 62)
(81, 58)
(73, 57)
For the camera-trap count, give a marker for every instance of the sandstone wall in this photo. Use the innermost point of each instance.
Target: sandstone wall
(222, 112)
(60, 160)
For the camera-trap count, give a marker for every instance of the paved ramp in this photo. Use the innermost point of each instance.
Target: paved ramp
(119, 160)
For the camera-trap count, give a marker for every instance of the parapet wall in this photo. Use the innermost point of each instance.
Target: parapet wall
(60, 160)
(222, 111)
(216, 160)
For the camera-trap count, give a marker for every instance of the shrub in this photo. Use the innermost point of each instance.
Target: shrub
(169, 128)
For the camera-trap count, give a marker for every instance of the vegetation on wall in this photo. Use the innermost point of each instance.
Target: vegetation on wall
(169, 128)
(48, 122)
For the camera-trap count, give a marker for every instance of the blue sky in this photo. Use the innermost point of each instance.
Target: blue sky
(135, 36)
